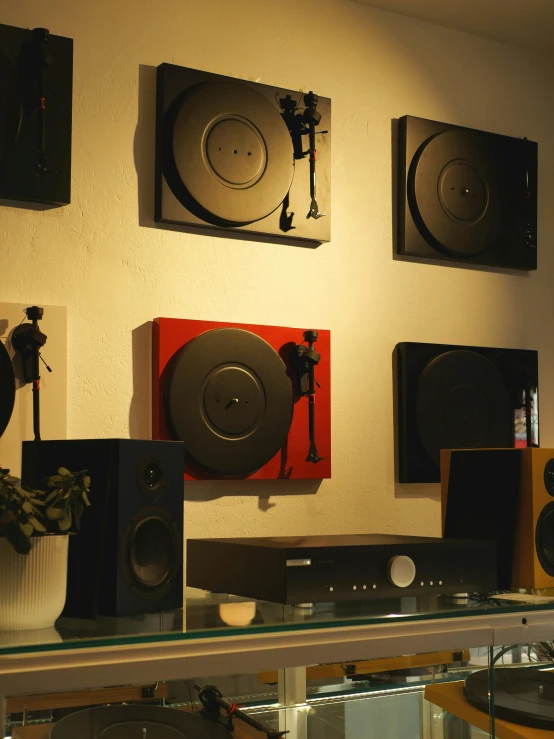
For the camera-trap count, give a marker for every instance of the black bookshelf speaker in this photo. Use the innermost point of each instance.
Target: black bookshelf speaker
(506, 496)
(128, 556)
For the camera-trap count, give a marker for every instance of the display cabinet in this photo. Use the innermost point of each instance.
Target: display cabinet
(375, 669)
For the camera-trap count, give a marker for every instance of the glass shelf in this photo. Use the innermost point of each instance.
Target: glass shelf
(208, 615)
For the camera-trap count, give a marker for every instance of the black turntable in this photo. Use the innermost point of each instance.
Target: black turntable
(242, 398)
(136, 722)
(466, 195)
(234, 154)
(217, 720)
(522, 695)
(462, 397)
(36, 70)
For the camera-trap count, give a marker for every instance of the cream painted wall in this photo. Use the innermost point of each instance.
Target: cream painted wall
(103, 258)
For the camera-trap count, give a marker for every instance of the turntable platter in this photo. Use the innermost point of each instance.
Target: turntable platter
(522, 695)
(462, 402)
(230, 400)
(232, 156)
(141, 730)
(130, 722)
(453, 193)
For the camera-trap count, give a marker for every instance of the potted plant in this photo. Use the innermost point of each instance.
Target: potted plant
(34, 537)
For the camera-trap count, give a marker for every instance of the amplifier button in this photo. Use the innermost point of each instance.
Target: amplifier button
(401, 571)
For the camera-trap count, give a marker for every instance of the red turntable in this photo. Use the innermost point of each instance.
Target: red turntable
(242, 398)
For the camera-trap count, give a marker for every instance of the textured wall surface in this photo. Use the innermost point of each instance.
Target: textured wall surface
(105, 259)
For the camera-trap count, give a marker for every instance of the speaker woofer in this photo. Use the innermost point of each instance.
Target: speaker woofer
(150, 552)
(544, 538)
(549, 477)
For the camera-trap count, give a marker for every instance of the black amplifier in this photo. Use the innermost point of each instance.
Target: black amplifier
(317, 569)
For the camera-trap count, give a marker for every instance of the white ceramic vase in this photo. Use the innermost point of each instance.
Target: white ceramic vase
(33, 586)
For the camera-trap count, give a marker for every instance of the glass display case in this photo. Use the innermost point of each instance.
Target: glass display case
(375, 670)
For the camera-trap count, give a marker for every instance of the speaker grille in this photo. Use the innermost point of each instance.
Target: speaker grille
(150, 552)
(544, 538)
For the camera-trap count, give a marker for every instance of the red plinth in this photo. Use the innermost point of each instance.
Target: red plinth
(170, 334)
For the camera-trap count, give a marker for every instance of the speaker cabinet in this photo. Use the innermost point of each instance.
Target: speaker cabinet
(506, 495)
(128, 556)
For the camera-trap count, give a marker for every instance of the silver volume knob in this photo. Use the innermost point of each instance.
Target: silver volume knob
(401, 571)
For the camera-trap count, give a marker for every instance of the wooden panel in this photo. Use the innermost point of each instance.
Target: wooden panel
(42, 731)
(53, 394)
(450, 697)
(366, 667)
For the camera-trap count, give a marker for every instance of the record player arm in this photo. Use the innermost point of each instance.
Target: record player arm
(213, 702)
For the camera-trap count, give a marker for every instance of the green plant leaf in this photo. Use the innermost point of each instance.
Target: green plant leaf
(20, 542)
(25, 512)
(54, 514)
(27, 529)
(65, 523)
(37, 525)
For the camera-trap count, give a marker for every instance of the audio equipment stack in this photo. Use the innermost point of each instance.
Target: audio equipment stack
(506, 495)
(316, 569)
(127, 557)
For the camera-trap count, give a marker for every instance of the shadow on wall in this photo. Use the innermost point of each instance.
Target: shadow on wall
(144, 145)
(264, 490)
(140, 411)
(144, 152)
(406, 490)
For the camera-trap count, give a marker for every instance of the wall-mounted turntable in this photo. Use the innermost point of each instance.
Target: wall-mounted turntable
(234, 154)
(242, 398)
(36, 71)
(466, 195)
(462, 397)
